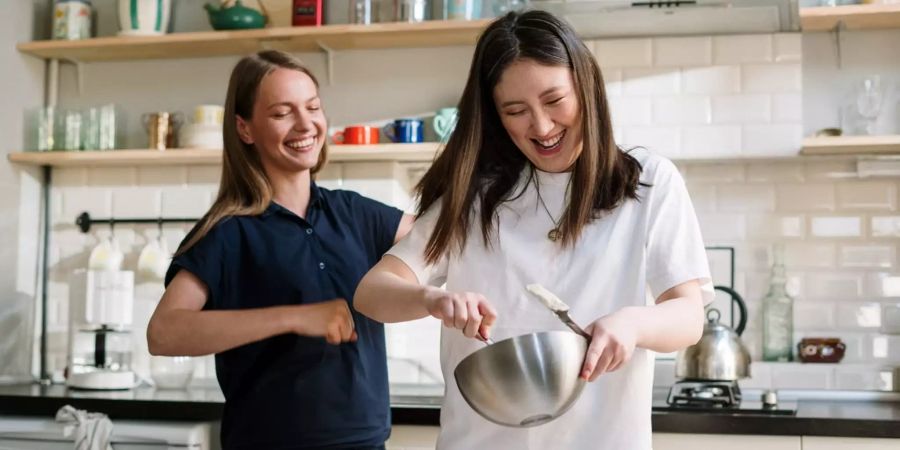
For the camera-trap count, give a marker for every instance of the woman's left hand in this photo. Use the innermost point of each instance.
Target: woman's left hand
(613, 339)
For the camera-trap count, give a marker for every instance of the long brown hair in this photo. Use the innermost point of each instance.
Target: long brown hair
(481, 162)
(244, 189)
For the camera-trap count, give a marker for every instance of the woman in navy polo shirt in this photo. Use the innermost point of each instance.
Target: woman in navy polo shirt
(269, 274)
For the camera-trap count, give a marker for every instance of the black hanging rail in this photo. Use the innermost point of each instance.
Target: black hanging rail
(84, 221)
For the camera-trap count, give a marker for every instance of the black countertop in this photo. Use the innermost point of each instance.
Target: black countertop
(419, 405)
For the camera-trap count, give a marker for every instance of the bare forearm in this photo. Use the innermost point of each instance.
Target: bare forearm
(181, 332)
(388, 297)
(668, 326)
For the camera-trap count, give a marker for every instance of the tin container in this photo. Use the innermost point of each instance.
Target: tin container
(72, 19)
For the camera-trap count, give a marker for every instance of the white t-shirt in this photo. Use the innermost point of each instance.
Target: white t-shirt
(653, 244)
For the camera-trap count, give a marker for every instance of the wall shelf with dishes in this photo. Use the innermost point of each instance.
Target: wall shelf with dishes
(372, 36)
(423, 152)
(241, 42)
(850, 17)
(826, 146)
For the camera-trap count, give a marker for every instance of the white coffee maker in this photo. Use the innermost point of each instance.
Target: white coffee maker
(100, 316)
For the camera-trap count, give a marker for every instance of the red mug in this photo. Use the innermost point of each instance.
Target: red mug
(356, 135)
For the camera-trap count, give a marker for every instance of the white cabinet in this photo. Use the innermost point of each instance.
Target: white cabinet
(412, 437)
(841, 443)
(45, 433)
(409, 437)
(680, 441)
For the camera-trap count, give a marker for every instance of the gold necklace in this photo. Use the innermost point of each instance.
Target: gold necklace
(554, 234)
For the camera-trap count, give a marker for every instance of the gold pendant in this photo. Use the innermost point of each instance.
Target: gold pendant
(553, 235)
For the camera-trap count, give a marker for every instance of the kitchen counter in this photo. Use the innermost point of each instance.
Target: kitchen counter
(419, 405)
(410, 404)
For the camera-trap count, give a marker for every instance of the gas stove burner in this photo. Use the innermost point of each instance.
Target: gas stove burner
(722, 394)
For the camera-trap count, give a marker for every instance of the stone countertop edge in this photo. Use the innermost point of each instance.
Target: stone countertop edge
(417, 407)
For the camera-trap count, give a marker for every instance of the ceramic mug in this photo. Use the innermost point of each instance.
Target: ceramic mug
(444, 122)
(405, 130)
(154, 258)
(107, 255)
(356, 135)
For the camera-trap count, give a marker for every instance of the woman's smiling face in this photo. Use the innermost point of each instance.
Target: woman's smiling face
(288, 127)
(539, 108)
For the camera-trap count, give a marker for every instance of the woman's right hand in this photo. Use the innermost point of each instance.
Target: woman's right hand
(466, 311)
(331, 319)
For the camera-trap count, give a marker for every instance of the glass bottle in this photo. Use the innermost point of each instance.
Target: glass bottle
(778, 313)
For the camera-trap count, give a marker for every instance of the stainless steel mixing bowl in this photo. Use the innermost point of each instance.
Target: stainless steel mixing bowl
(524, 381)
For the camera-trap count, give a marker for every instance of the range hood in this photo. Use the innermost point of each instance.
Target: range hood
(621, 18)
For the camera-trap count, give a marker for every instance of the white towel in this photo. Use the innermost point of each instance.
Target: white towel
(92, 430)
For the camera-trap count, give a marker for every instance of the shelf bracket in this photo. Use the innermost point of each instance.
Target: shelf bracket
(52, 84)
(838, 30)
(329, 61)
(79, 75)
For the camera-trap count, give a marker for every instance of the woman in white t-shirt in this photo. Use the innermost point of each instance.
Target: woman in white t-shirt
(531, 188)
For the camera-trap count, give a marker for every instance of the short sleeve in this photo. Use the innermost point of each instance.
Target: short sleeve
(411, 250)
(380, 221)
(205, 259)
(675, 249)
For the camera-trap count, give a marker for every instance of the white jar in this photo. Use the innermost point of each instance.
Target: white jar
(144, 17)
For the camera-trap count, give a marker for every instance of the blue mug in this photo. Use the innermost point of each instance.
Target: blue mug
(405, 130)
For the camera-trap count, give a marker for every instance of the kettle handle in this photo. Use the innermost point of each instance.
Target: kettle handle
(742, 307)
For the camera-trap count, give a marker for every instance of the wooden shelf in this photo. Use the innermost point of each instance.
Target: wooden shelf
(851, 145)
(424, 152)
(853, 17)
(293, 39)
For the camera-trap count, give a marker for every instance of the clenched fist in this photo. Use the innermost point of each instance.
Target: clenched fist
(331, 319)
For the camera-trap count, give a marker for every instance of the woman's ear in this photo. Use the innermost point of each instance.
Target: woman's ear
(243, 130)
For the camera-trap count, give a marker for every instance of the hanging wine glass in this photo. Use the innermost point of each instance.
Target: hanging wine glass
(869, 97)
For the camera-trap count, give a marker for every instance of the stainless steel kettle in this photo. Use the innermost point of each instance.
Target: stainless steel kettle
(719, 355)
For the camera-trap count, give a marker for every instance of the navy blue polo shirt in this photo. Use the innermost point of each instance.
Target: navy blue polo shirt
(293, 391)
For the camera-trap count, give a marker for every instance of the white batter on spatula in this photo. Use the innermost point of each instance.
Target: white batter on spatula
(550, 300)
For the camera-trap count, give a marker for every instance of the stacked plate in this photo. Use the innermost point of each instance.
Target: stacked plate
(201, 135)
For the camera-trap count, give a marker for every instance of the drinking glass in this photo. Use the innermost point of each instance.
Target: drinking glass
(869, 98)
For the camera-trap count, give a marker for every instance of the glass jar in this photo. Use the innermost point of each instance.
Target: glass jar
(410, 10)
(778, 313)
(361, 12)
(462, 9)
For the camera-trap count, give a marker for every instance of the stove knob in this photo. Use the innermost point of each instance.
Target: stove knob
(769, 399)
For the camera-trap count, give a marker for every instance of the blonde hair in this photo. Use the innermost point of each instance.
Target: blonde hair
(244, 189)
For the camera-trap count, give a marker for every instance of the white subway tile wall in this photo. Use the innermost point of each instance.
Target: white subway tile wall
(843, 266)
(684, 98)
(188, 192)
(840, 237)
(702, 83)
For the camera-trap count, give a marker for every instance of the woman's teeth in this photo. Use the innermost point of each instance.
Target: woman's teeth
(549, 143)
(301, 144)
